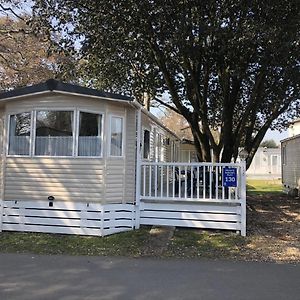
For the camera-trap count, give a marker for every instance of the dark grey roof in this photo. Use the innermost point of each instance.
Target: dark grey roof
(54, 85)
(297, 136)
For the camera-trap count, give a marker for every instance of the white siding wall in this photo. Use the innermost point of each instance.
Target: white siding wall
(103, 180)
(65, 179)
(164, 152)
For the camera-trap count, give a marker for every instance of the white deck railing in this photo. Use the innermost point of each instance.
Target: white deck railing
(189, 181)
(200, 195)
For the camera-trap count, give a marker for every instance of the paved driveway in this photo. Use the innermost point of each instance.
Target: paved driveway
(63, 277)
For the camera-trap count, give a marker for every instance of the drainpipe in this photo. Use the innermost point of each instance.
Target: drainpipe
(138, 168)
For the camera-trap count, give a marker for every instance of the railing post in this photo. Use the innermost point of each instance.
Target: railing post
(243, 197)
(138, 170)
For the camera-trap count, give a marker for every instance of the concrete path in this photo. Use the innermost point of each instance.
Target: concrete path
(63, 277)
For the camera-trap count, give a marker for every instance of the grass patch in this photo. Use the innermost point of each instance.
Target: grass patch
(124, 244)
(264, 186)
(208, 244)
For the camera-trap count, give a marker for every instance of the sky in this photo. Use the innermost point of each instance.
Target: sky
(276, 135)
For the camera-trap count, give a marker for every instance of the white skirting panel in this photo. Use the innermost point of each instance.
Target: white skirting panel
(200, 215)
(68, 217)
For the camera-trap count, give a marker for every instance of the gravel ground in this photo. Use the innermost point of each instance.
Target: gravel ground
(273, 228)
(273, 234)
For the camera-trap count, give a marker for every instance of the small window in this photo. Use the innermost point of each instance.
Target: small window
(54, 133)
(283, 155)
(116, 136)
(19, 134)
(146, 144)
(90, 131)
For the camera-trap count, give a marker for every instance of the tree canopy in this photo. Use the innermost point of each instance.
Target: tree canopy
(269, 144)
(24, 55)
(228, 66)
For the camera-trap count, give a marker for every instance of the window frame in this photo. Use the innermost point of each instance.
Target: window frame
(73, 128)
(122, 117)
(143, 145)
(101, 113)
(7, 139)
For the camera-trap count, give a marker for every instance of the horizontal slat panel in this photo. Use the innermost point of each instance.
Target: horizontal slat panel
(120, 215)
(189, 223)
(56, 205)
(42, 221)
(59, 213)
(52, 229)
(67, 214)
(65, 197)
(190, 216)
(118, 223)
(191, 207)
(188, 199)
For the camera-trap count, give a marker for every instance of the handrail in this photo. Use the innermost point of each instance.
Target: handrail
(151, 163)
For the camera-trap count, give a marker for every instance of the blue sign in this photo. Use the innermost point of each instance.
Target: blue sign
(229, 177)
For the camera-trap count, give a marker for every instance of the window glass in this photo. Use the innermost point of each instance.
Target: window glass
(54, 133)
(90, 130)
(116, 139)
(146, 144)
(19, 134)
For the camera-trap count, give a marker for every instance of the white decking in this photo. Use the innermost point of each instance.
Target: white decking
(192, 195)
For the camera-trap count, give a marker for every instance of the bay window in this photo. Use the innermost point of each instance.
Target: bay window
(63, 133)
(19, 134)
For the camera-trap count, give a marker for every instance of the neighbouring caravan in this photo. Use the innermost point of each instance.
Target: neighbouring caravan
(290, 152)
(69, 152)
(266, 164)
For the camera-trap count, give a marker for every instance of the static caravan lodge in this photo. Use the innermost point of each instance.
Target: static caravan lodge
(68, 162)
(80, 161)
(290, 152)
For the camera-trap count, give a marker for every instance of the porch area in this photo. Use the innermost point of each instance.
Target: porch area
(200, 195)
